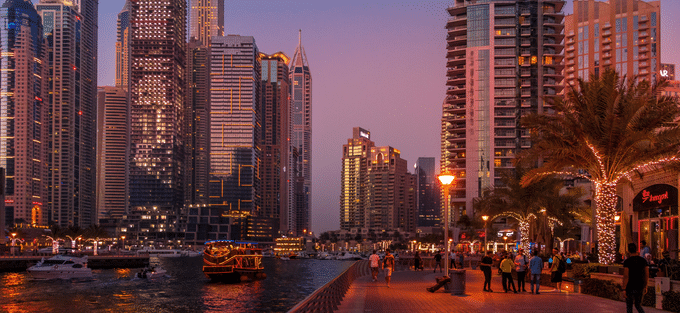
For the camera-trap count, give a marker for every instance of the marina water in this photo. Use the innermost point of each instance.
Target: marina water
(185, 289)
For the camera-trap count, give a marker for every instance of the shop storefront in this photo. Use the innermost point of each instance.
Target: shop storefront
(656, 213)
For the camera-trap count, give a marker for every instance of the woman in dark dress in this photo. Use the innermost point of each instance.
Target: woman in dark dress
(417, 262)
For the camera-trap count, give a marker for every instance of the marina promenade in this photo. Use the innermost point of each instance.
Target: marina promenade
(407, 293)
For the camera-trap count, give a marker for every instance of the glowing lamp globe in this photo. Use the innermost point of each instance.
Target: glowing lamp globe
(485, 217)
(446, 179)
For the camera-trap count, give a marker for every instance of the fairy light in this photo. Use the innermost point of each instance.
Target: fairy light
(523, 226)
(605, 211)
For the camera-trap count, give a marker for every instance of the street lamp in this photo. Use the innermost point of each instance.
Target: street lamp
(485, 218)
(123, 240)
(446, 179)
(505, 242)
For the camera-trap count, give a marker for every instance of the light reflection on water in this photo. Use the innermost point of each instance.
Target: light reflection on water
(184, 289)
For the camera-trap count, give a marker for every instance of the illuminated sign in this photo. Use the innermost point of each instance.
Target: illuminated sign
(9, 201)
(365, 135)
(655, 196)
(664, 73)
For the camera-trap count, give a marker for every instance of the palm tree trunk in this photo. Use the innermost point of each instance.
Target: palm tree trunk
(524, 235)
(605, 210)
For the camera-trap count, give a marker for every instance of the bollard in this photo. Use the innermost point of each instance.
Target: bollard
(661, 285)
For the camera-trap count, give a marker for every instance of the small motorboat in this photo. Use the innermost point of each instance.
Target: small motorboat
(61, 267)
(151, 272)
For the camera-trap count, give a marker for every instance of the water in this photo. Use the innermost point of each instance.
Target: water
(185, 289)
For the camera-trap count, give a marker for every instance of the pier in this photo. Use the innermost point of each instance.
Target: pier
(21, 263)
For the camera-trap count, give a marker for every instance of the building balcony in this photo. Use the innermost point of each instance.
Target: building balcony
(642, 18)
(643, 64)
(606, 55)
(644, 72)
(643, 34)
(606, 33)
(606, 25)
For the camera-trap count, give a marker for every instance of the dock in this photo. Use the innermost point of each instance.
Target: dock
(21, 263)
(407, 293)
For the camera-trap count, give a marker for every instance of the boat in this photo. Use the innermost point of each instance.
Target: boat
(344, 256)
(151, 272)
(61, 267)
(230, 261)
(168, 253)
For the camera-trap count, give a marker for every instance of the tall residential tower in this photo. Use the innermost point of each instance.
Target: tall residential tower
(24, 105)
(71, 31)
(504, 61)
(621, 34)
(301, 139)
(206, 20)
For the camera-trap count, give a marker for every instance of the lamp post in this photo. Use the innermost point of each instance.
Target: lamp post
(485, 218)
(123, 240)
(446, 180)
(505, 242)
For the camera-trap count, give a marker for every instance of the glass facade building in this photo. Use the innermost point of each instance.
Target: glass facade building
(71, 32)
(301, 139)
(24, 106)
(275, 112)
(427, 195)
(235, 125)
(504, 61)
(206, 19)
(621, 34)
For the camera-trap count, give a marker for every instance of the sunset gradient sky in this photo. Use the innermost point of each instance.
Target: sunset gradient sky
(375, 64)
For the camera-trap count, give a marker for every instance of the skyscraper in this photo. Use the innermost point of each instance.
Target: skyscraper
(197, 122)
(301, 135)
(71, 31)
(427, 195)
(123, 47)
(207, 20)
(390, 202)
(157, 95)
(377, 191)
(353, 193)
(275, 112)
(235, 125)
(504, 61)
(113, 144)
(23, 113)
(622, 34)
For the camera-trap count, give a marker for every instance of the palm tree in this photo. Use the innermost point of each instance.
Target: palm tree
(606, 130)
(526, 203)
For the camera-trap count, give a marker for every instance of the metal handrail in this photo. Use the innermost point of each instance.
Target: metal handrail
(328, 297)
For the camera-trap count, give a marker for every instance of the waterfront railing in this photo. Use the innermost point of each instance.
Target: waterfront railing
(328, 297)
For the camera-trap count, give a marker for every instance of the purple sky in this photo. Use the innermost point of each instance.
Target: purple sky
(375, 64)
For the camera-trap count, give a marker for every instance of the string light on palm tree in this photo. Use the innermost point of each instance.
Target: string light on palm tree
(605, 130)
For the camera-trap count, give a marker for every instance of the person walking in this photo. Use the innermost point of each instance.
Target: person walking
(506, 268)
(635, 279)
(535, 267)
(388, 266)
(555, 273)
(417, 262)
(485, 265)
(461, 259)
(437, 262)
(374, 263)
(521, 264)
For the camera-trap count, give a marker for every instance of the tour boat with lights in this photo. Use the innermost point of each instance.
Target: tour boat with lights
(168, 253)
(61, 267)
(229, 261)
(151, 272)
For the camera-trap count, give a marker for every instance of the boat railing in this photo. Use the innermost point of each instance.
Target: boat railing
(328, 297)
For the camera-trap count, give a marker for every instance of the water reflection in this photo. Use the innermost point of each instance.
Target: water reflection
(184, 289)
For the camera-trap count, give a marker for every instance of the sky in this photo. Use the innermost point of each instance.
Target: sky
(375, 64)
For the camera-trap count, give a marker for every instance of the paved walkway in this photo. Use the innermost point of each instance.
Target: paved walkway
(407, 293)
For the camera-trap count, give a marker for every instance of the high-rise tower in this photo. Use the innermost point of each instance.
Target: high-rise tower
(504, 61)
(353, 193)
(621, 34)
(207, 20)
(113, 144)
(71, 31)
(123, 47)
(301, 137)
(157, 85)
(23, 113)
(427, 196)
(275, 112)
(235, 125)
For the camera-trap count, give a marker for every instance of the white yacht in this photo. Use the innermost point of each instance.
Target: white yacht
(61, 267)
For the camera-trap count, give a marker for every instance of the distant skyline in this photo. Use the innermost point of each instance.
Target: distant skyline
(379, 65)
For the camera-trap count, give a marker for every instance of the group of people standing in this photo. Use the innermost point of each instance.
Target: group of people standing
(521, 264)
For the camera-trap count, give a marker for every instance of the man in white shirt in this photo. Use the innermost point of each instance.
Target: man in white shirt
(374, 263)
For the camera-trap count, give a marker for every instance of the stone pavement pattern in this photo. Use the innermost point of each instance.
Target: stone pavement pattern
(407, 293)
